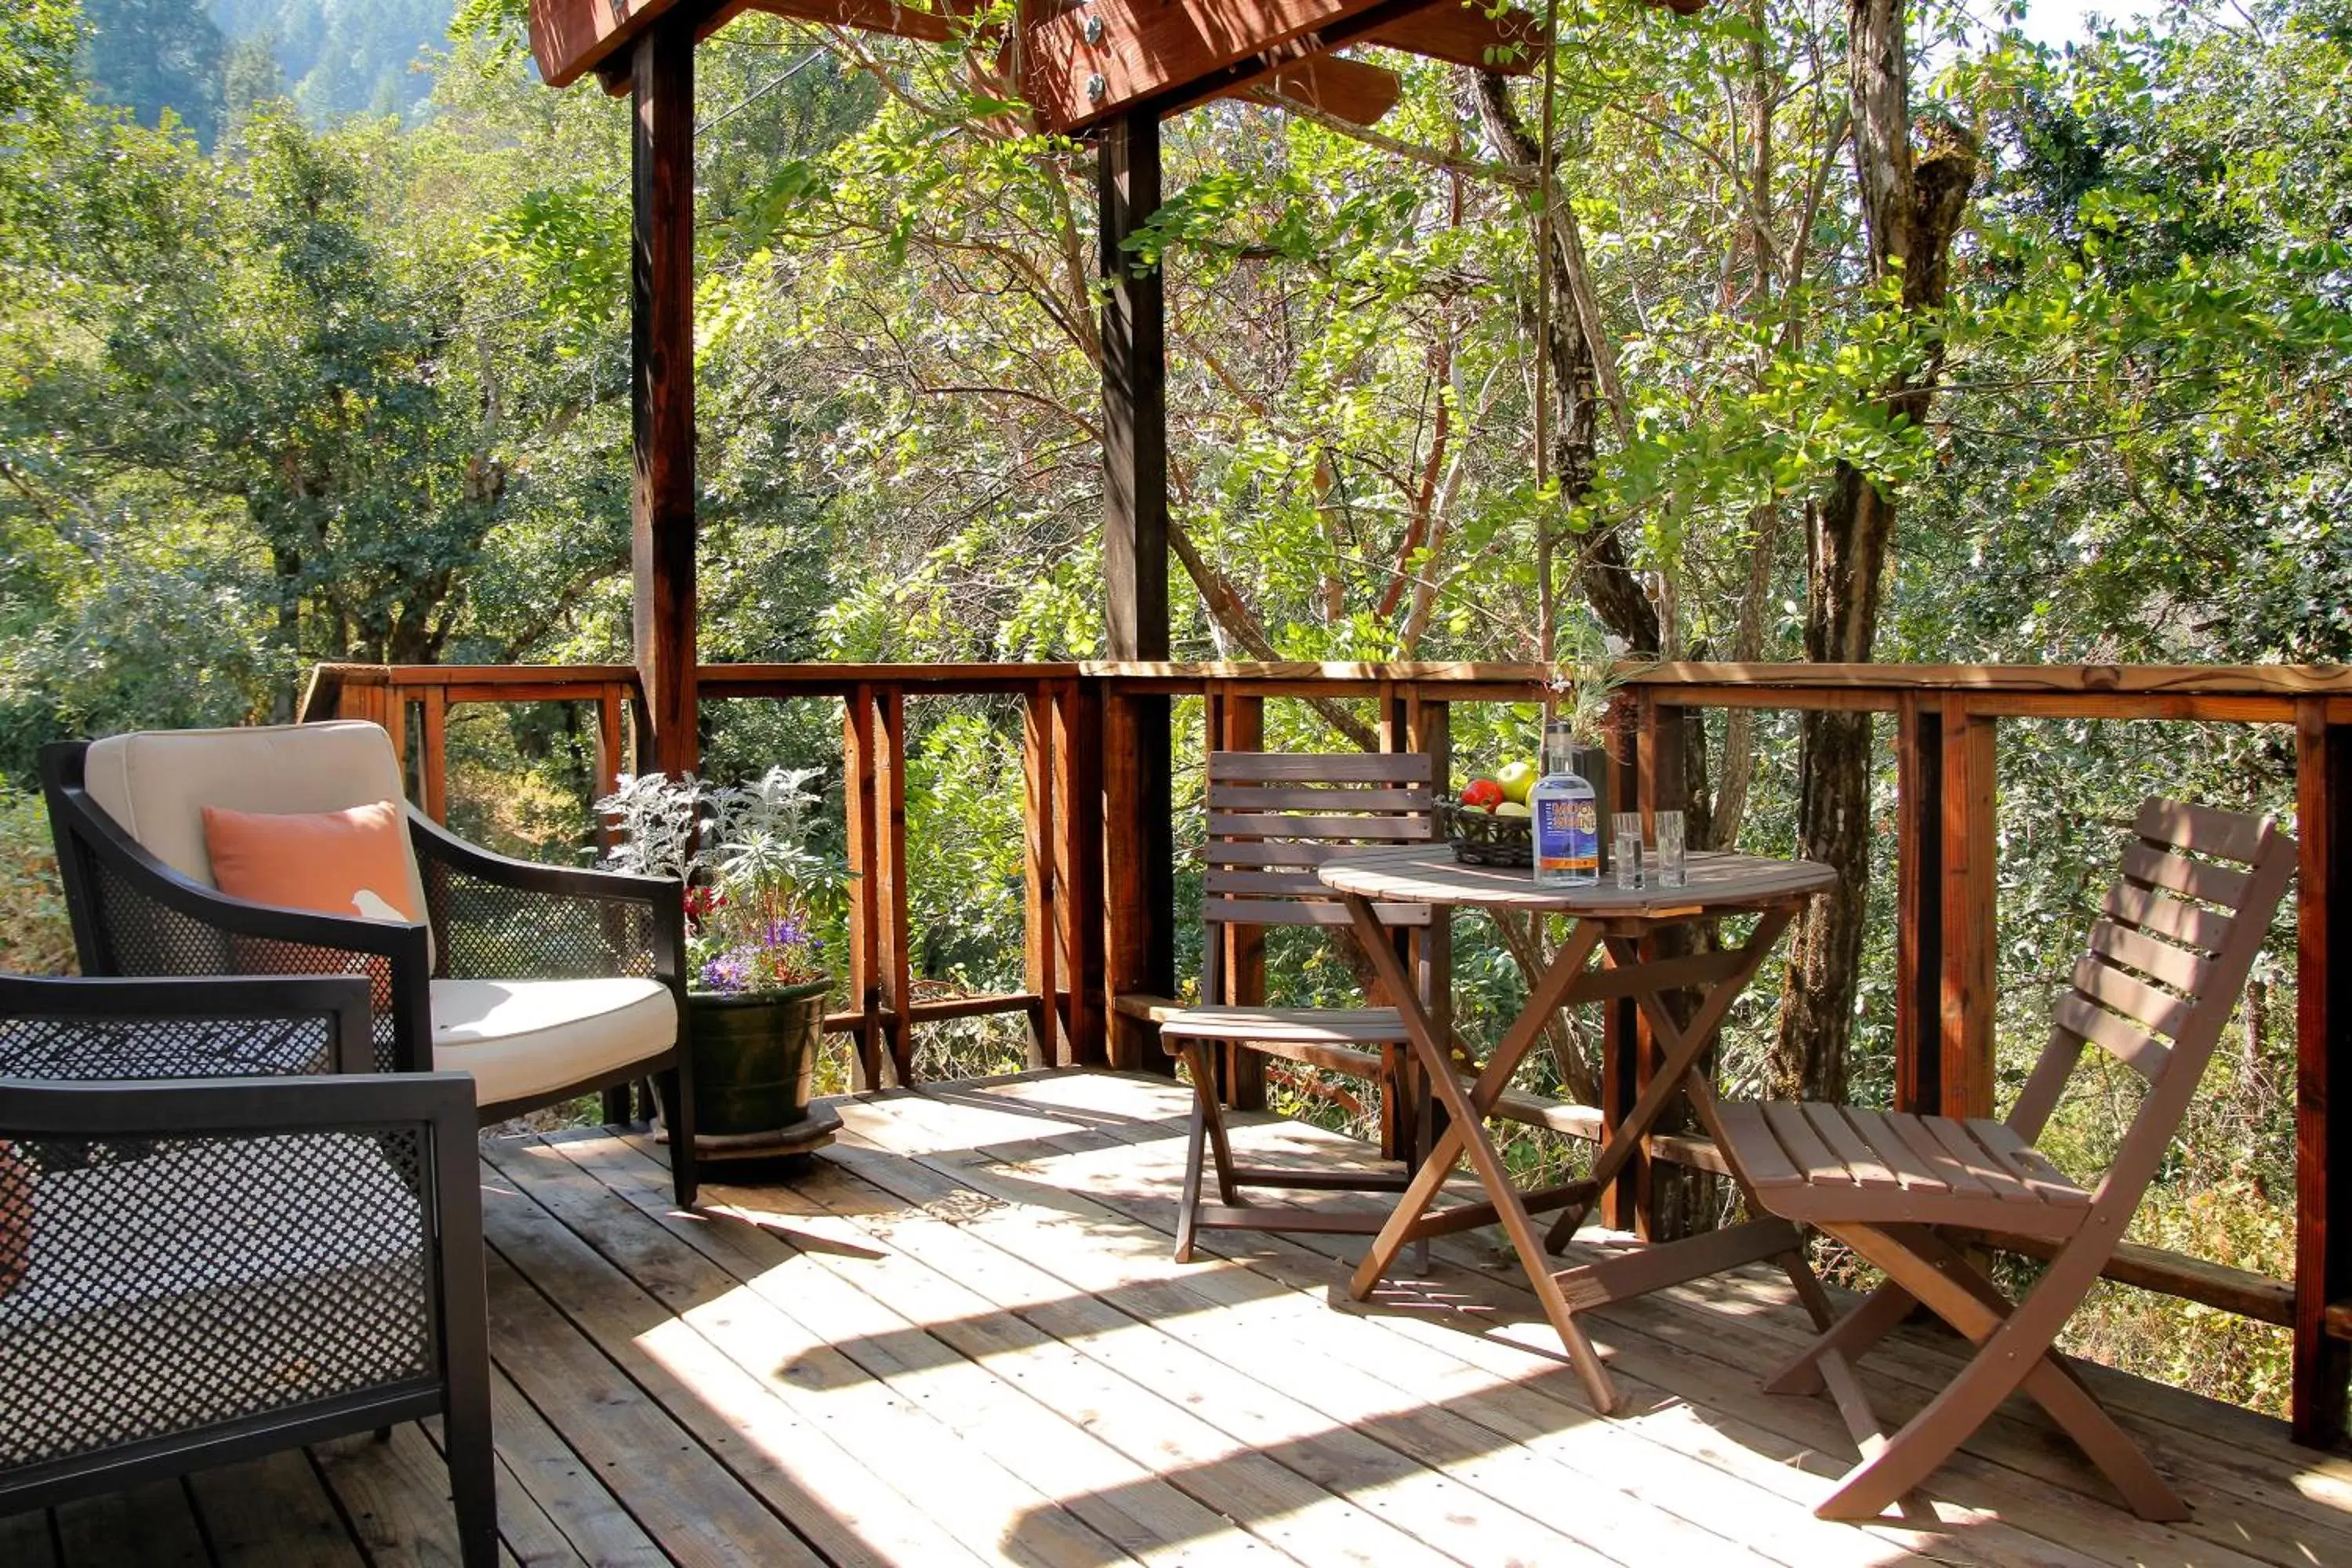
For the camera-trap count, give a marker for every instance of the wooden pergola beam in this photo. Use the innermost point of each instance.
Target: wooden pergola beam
(1112, 57)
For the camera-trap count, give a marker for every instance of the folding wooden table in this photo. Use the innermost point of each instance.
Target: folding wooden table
(1609, 921)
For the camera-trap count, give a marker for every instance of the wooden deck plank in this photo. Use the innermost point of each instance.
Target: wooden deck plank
(1478, 1395)
(2230, 1516)
(272, 1512)
(2028, 1448)
(544, 1486)
(2021, 1492)
(670, 1483)
(395, 1496)
(1054, 1341)
(152, 1526)
(1134, 1347)
(1125, 1502)
(785, 1388)
(961, 1338)
(1349, 1387)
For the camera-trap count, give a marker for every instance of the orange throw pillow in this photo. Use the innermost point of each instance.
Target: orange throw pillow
(351, 862)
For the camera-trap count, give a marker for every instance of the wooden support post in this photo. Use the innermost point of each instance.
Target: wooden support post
(1041, 885)
(1670, 1201)
(1079, 870)
(2323, 1147)
(1919, 906)
(1622, 1032)
(1140, 790)
(1971, 856)
(1135, 396)
(859, 796)
(661, 387)
(896, 962)
(1242, 729)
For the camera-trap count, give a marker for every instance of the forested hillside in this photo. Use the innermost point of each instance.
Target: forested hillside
(294, 388)
(209, 61)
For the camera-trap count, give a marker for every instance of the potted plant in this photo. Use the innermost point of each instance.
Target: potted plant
(756, 983)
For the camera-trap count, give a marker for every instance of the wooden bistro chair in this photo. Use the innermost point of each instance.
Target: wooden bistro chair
(1272, 818)
(2168, 956)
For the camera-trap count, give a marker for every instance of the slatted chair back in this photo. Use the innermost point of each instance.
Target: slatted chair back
(2166, 958)
(1273, 817)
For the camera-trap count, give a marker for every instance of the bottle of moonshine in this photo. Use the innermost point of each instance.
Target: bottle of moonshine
(1567, 818)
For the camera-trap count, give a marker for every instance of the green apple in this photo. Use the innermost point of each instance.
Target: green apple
(1516, 779)
(1512, 808)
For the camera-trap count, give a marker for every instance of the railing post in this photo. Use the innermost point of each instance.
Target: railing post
(2323, 1148)
(1622, 1207)
(1919, 906)
(1428, 728)
(1970, 993)
(433, 757)
(1240, 726)
(859, 796)
(1078, 863)
(895, 969)
(611, 710)
(1139, 891)
(1041, 886)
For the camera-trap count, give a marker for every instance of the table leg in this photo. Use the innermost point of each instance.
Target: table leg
(1437, 1067)
(1682, 1048)
(1467, 1133)
(1672, 1263)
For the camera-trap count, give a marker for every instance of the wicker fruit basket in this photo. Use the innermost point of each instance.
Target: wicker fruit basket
(1482, 839)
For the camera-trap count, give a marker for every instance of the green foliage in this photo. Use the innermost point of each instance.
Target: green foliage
(35, 933)
(347, 378)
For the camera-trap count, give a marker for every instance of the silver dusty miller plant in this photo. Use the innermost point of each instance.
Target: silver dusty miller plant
(730, 837)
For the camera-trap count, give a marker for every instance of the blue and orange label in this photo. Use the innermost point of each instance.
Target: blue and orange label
(1567, 836)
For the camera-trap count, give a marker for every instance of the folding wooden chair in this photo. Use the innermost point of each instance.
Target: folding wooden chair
(2168, 956)
(1272, 818)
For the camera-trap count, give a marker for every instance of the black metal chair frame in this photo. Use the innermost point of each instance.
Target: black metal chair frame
(89, 840)
(437, 1107)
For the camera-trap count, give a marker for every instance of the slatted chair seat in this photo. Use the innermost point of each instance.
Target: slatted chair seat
(2167, 957)
(1273, 819)
(1812, 1161)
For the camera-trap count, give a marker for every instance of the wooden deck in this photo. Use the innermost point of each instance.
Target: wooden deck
(961, 1339)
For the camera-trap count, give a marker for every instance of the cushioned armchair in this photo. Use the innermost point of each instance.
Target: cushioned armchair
(222, 1234)
(542, 982)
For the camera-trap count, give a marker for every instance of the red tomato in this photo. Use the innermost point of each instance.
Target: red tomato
(1484, 793)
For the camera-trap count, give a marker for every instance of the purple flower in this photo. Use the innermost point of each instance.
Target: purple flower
(729, 972)
(785, 932)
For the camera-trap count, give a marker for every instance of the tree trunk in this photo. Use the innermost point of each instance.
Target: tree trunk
(1911, 214)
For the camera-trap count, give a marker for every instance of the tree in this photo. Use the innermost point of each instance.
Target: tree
(1913, 202)
(151, 57)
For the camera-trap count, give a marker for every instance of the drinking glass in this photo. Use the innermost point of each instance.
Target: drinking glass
(1673, 857)
(1625, 847)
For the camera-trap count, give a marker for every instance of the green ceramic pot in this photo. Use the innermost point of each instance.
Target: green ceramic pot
(754, 1060)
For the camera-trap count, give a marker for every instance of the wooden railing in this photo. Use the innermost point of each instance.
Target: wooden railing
(1062, 880)
(1101, 923)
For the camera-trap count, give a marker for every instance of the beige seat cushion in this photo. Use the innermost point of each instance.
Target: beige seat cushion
(525, 1038)
(156, 784)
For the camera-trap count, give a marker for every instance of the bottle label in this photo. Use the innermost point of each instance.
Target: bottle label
(1567, 836)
